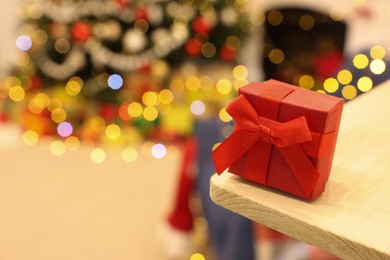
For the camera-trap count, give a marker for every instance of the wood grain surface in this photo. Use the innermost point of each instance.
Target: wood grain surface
(351, 218)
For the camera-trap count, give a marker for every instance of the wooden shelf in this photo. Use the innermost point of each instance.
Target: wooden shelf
(351, 218)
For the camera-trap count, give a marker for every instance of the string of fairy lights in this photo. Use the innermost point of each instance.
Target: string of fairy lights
(62, 114)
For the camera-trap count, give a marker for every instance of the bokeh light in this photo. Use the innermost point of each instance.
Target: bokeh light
(197, 107)
(193, 83)
(98, 155)
(349, 92)
(197, 256)
(72, 143)
(224, 116)
(57, 148)
(150, 98)
(360, 61)
(150, 113)
(159, 151)
(377, 52)
(30, 137)
(275, 18)
(331, 85)
(364, 84)
(306, 81)
(240, 72)
(165, 96)
(135, 109)
(115, 81)
(58, 115)
(23, 43)
(129, 154)
(377, 66)
(113, 131)
(74, 86)
(344, 77)
(276, 56)
(224, 86)
(65, 129)
(306, 22)
(16, 93)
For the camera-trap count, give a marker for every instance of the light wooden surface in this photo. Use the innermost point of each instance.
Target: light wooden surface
(352, 218)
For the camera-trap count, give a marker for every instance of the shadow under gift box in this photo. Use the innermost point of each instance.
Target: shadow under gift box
(301, 169)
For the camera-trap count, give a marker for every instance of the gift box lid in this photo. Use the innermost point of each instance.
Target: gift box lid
(321, 111)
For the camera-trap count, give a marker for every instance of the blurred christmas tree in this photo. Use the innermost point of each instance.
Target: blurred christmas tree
(112, 70)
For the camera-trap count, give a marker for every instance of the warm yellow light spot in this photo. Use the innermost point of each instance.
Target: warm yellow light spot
(141, 26)
(337, 13)
(113, 131)
(57, 148)
(240, 83)
(62, 46)
(207, 83)
(53, 104)
(360, 61)
(331, 85)
(150, 98)
(275, 18)
(377, 66)
(364, 84)
(58, 115)
(197, 256)
(276, 56)
(72, 143)
(257, 18)
(208, 50)
(240, 72)
(97, 124)
(344, 77)
(135, 109)
(98, 155)
(224, 116)
(306, 22)
(165, 96)
(150, 113)
(180, 22)
(30, 137)
(233, 42)
(349, 92)
(17, 93)
(160, 68)
(129, 154)
(36, 105)
(224, 86)
(306, 81)
(377, 52)
(321, 91)
(23, 59)
(74, 86)
(177, 85)
(44, 98)
(12, 81)
(193, 83)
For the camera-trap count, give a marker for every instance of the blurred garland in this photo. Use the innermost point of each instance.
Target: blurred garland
(121, 72)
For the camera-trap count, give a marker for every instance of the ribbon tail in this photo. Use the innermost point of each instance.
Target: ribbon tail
(302, 168)
(233, 148)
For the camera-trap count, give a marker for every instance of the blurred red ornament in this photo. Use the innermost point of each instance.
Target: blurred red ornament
(201, 25)
(108, 112)
(80, 31)
(36, 82)
(325, 65)
(141, 13)
(3, 118)
(193, 47)
(227, 54)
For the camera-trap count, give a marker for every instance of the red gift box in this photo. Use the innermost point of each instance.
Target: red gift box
(284, 137)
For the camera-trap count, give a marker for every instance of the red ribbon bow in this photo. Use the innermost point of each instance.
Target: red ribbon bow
(256, 135)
